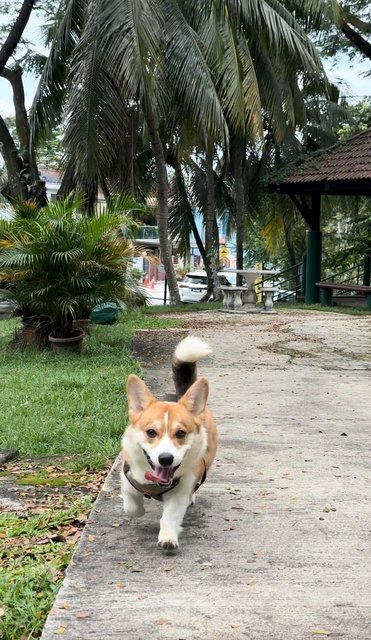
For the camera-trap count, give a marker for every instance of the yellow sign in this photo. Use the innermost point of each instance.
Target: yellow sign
(223, 252)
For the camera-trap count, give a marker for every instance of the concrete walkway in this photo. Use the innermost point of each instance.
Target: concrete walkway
(277, 546)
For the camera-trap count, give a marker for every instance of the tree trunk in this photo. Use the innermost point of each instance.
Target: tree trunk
(16, 187)
(162, 202)
(211, 265)
(356, 39)
(68, 184)
(287, 227)
(23, 183)
(16, 33)
(188, 210)
(30, 187)
(237, 154)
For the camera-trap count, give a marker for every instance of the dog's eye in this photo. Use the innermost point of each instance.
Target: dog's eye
(180, 434)
(151, 433)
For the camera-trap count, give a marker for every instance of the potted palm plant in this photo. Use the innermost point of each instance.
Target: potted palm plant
(60, 264)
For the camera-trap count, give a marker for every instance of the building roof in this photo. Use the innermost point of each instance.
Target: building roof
(343, 168)
(52, 176)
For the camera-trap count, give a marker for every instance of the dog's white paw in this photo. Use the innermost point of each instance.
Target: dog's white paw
(167, 542)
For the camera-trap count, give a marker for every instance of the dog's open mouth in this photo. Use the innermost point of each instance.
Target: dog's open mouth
(160, 475)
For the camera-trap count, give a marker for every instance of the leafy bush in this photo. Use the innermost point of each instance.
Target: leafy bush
(59, 264)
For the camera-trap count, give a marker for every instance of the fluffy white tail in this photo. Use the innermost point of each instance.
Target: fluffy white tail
(186, 354)
(192, 349)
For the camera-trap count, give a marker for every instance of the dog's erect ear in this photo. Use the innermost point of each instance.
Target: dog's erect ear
(138, 394)
(195, 398)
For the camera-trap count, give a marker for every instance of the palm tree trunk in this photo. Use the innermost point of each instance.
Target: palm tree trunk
(237, 153)
(211, 267)
(162, 202)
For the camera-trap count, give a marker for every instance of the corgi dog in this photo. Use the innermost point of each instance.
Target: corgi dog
(168, 447)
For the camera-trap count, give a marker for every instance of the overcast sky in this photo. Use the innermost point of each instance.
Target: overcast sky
(349, 76)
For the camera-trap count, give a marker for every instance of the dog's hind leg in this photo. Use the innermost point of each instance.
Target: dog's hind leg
(133, 499)
(175, 506)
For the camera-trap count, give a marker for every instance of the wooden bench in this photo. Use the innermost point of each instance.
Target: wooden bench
(327, 290)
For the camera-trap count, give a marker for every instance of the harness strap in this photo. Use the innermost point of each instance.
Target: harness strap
(152, 490)
(203, 477)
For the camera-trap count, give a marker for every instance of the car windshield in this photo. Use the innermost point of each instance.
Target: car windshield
(195, 279)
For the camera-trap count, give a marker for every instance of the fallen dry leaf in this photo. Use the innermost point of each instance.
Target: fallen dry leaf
(120, 585)
(321, 632)
(162, 621)
(115, 525)
(59, 631)
(64, 605)
(91, 538)
(83, 614)
(74, 538)
(81, 517)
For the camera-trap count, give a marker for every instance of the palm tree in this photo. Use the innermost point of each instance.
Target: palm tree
(108, 55)
(57, 264)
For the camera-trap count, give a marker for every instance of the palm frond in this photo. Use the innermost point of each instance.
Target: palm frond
(64, 32)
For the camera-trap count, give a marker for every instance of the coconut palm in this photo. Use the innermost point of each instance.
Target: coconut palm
(121, 53)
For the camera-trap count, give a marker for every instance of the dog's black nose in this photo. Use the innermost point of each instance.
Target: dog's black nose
(166, 459)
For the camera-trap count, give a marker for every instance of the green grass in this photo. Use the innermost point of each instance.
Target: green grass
(34, 555)
(350, 311)
(53, 405)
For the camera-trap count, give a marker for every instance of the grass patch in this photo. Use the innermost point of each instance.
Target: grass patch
(350, 311)
(54, 405)
(43, 479)
(35, 550)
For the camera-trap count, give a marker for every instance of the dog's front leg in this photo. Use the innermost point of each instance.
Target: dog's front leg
(133, 499)
(175, 506)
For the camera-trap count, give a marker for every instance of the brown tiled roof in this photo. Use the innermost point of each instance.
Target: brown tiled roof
(348, 160)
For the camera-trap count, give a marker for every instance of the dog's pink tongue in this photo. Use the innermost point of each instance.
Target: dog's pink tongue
(161, 475)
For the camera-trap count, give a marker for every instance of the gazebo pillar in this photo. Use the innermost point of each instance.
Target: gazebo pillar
(314, 257)
(314, 252)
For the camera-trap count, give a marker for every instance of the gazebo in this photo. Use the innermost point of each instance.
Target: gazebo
(342, 170)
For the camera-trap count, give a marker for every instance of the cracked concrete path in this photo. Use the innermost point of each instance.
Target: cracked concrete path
(278, 544)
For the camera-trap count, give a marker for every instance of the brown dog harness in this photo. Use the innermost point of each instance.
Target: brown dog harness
(156, 491)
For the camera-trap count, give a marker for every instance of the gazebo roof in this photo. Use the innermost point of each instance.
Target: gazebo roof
(344, 169)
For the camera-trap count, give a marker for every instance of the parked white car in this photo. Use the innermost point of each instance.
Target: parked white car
(194, 285)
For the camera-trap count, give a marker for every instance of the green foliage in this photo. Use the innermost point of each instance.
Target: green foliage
(359, 119)
(61, 264)
(70, 405)
(30, 572)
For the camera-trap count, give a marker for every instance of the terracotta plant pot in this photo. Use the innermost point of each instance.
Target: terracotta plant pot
(84, 324)
(73, 344)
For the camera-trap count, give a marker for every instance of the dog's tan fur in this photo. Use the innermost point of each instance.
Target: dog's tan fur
(186, 430)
